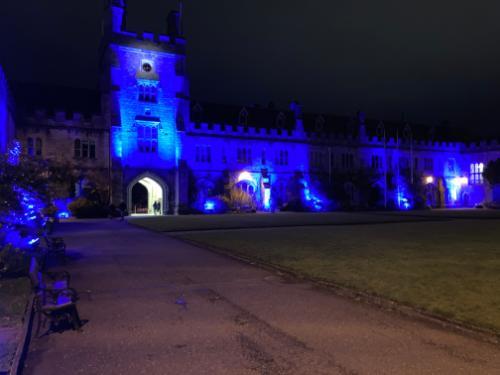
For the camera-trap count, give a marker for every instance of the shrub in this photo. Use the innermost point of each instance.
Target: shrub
(239, 200)
(84, 208)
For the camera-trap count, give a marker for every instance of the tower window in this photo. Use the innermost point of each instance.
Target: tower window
(147, 139)
(148, 93)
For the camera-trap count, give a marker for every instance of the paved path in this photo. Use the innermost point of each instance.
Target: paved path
(159, 306)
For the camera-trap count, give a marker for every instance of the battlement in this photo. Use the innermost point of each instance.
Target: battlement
(322, 138)
(243, 131)
(64, 119)
(484, 145)
(114, 29)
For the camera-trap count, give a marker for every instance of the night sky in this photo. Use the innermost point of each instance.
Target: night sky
(432, 60)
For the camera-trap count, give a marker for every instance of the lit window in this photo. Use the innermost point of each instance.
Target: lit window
(476, 173)
(147, 139)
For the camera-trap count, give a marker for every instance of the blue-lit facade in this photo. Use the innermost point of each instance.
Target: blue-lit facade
(166, 153)
(6, 115)
(160, 139)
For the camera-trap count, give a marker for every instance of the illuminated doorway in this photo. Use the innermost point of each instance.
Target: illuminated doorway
(147, 196)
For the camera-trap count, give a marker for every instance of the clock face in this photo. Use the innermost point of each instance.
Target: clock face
(147, 67)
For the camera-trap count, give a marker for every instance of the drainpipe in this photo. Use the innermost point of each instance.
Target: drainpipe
(176, 204)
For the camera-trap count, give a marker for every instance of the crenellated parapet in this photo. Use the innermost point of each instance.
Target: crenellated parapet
(65, 120)
(481, 146)
(239, 131)
(337, 139)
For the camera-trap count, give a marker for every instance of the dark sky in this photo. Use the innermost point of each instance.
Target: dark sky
(433, 60)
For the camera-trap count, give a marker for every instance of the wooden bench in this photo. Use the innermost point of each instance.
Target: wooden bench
(48, 281)
(55, 246)
(55, 300)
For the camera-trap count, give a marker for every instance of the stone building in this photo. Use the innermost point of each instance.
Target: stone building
(158, 145)
(7, 128)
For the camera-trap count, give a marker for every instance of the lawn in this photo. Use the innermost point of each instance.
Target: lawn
(282, 219)
(14, 294)
(450, 268)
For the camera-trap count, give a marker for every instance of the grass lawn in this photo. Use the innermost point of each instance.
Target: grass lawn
(282, 219)
(450, 268)
(14, 294)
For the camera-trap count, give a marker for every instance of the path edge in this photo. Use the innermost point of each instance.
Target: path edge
(372, 299)
(22, 347)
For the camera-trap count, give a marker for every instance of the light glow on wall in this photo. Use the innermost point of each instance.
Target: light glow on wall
(245, 176)
(311, 199)
(455, 185)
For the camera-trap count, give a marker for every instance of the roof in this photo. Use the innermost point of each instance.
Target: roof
(256, 116)
(31, 97)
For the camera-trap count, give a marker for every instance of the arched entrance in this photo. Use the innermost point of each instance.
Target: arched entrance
(246, 183)
(147, 195)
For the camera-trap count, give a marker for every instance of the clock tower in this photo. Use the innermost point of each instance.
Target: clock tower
(145, 102)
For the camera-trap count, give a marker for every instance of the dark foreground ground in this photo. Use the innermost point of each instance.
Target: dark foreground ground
(155, 305)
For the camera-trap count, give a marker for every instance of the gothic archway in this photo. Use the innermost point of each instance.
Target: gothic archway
(147, 194)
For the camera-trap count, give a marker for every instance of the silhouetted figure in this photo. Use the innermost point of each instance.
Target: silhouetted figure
(157, 207)
(111, 211)
(123, 210)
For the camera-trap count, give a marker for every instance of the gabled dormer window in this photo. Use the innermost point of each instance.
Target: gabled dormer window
(243, 117)
(280, 120)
